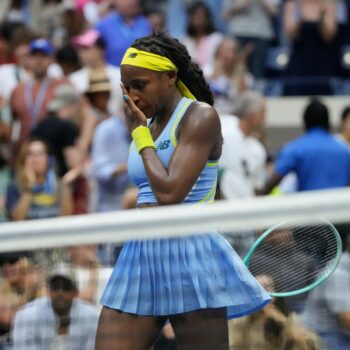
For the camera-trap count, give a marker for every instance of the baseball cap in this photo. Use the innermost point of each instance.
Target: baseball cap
(65, 271)
(64, 95)
(41, 45)
(87, 39)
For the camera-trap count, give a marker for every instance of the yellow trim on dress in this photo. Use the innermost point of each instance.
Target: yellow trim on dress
(176, 123)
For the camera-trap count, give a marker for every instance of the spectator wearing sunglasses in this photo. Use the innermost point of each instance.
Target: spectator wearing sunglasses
(59, 321)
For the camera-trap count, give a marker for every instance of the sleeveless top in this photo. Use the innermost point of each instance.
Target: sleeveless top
(204, 188)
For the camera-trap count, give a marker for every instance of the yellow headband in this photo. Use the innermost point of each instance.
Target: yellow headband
(152, 61)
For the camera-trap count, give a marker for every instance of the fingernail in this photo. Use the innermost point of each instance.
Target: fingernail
(125, 97)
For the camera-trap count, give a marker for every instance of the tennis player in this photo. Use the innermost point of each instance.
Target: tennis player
(195, 282)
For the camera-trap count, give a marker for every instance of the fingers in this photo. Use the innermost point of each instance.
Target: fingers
(128, 101)
(134, 116)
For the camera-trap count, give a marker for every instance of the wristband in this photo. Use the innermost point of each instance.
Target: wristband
(142, 138)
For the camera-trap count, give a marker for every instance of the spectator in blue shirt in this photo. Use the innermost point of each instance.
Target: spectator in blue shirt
(318, 159)
(121, 28)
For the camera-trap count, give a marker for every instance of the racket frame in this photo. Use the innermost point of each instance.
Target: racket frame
(311, 286)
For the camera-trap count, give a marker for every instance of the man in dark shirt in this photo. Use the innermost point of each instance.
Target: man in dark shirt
(59, 130)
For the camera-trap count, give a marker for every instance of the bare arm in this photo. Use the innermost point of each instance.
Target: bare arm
(199, 134)
(20, 210)
(290, 23)
(88, 124)
(73, 156)
(274, 180)
(344, 319)
(329, 25)
(269, 7)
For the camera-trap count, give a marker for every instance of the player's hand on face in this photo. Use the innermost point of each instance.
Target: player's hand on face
(133, 115)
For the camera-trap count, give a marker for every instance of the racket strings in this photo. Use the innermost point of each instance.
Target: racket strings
(295, 258)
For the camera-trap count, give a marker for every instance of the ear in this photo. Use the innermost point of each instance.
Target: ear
(171, 77)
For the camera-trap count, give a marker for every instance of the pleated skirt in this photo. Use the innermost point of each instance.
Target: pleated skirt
(162, 277)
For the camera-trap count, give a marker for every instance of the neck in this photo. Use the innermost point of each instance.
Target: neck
(229, 70)
(129, 19)
(100, 63)
(39, 77)
(163, 117)
(41, 178)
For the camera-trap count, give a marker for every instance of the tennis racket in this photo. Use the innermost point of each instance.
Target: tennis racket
(295, 258)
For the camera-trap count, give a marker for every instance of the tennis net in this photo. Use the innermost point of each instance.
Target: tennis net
(91, 243)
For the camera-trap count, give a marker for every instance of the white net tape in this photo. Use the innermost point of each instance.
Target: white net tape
(233, 216)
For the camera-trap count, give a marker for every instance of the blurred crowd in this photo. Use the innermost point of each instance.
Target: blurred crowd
(64, 145)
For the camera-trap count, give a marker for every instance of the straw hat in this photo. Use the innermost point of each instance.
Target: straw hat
(98, 81)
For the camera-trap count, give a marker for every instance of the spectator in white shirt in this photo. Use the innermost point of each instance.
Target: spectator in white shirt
(243, 157)
(91, 48)
(59, 321)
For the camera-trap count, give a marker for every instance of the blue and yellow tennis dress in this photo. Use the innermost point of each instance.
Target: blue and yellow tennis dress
(177, 275)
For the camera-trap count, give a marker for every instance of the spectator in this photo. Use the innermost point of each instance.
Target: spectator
(228, 75)
(312, 28)
(36, 194)
(270, 329)
(327, 310)
(67, 58)
(126, 24)
(72, 22)
(29, 99)
(156, 18)
(91, 49)
(48, 20)
(21, 12)
(250, 22)
(59, 321)
(317, 158)
(4, 182)
(110, 151)
(243, 157)
(202, 39)
(344, 134)
(19, 284)
(93, 10)
(20, 71)
(59, 130)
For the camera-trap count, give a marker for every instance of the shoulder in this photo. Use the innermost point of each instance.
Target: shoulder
(141, 19)
(86, 308)
(107, 21)
(7, 69)
(18, 89)
(295, 145)
(33, 308)
(201, 115)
